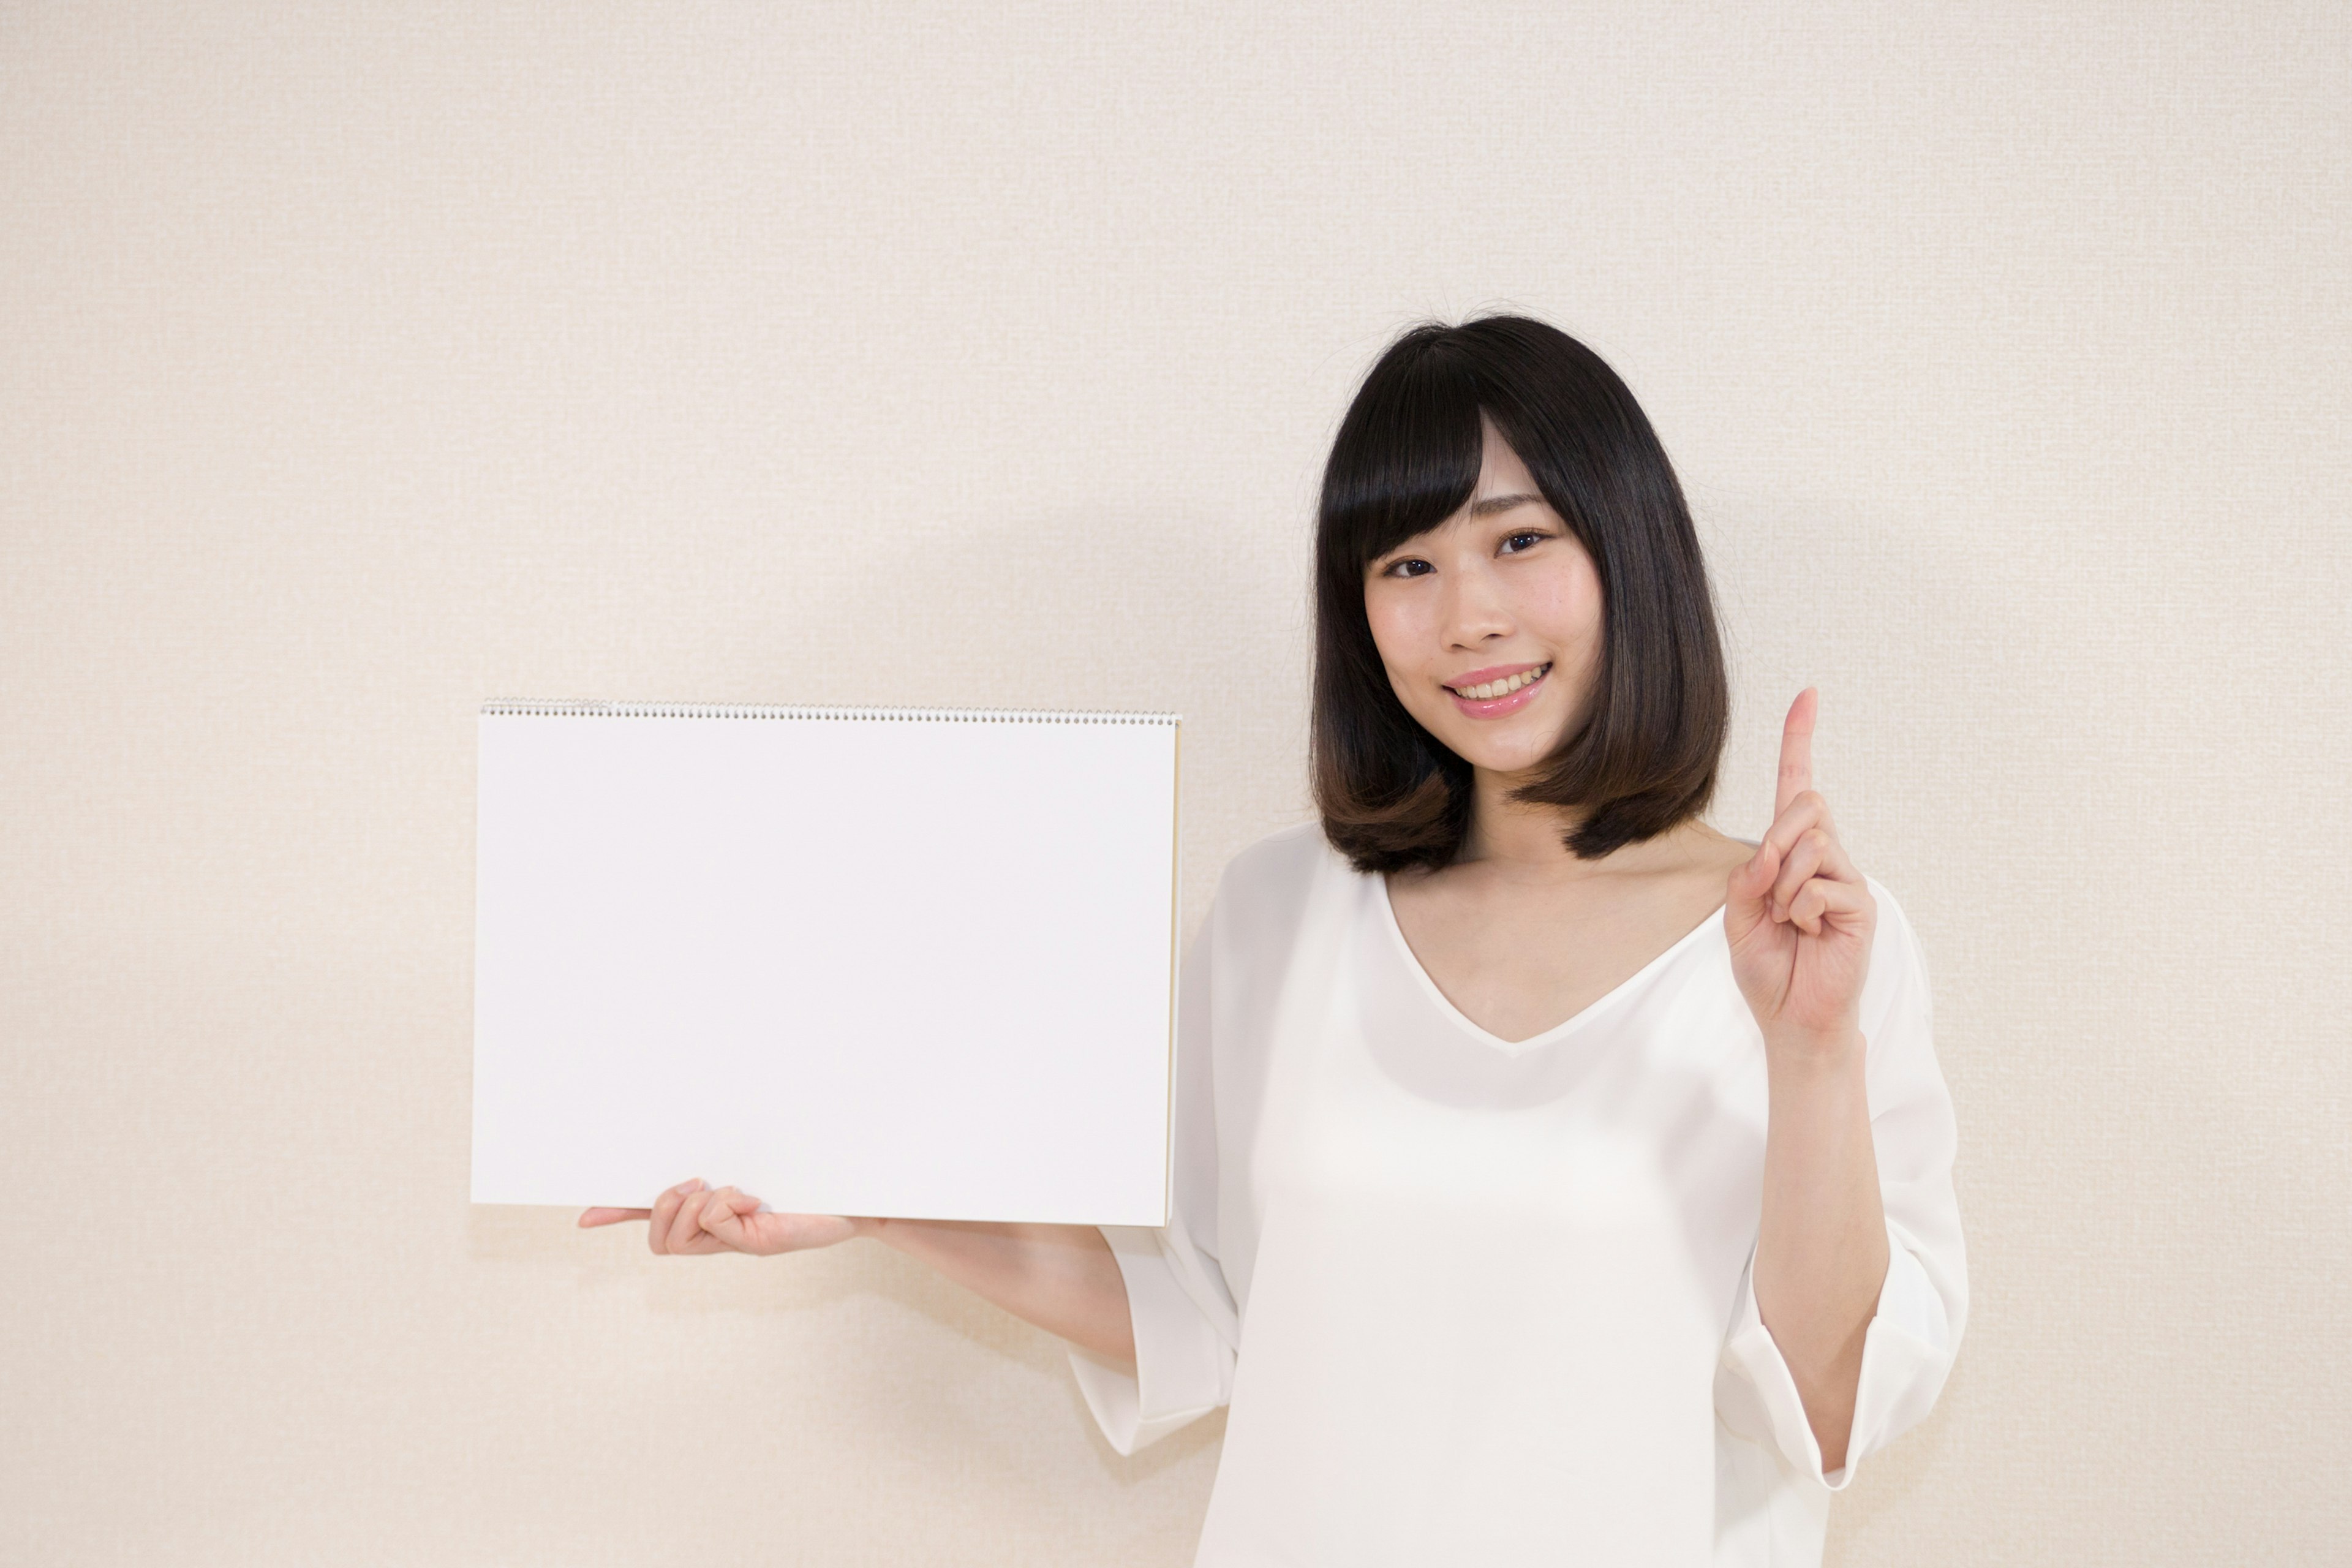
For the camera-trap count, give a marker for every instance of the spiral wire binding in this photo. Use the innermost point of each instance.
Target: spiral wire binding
(566, 709)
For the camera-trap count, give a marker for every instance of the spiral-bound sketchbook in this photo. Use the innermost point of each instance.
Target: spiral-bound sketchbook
(867, 961)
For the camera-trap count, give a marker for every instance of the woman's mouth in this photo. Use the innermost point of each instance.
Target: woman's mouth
(1493, 698)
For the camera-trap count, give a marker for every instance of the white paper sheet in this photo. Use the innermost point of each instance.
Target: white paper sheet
(868, 962)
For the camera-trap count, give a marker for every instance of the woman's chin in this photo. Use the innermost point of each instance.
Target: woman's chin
(1491, 746)
(1509, 761)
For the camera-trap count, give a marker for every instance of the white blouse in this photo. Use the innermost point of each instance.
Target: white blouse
(1487, 1301)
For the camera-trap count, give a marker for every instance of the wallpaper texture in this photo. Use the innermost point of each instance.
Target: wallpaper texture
(359, 364)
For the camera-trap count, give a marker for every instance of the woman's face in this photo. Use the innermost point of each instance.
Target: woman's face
(1500, 592)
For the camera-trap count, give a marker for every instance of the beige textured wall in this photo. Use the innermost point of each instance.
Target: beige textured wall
(360, 363)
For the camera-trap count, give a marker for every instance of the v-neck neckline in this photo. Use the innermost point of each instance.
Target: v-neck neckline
(1565, 1025)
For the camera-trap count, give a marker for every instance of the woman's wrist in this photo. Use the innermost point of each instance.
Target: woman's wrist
(1809, 1056)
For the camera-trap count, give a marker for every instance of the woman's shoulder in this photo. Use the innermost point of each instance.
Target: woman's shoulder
(1292, 854)
(1281, 912)
(1893, 925)
(1270, 884)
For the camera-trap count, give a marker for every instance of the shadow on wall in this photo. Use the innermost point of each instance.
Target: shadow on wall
(857, 1298)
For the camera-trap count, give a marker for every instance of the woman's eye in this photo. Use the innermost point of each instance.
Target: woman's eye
(1525, 535)
(1397, 569)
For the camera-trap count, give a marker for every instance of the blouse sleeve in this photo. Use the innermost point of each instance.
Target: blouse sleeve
(1186, 1328)
(1908, 1347)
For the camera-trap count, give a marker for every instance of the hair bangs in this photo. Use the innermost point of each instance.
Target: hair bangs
(1408, 455)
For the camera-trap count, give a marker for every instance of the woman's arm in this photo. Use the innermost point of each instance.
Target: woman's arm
(1800, 920)
(1822, 1250)
(1062, 1277)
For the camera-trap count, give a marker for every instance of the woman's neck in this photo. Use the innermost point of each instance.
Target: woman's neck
(1526, 842)
(1519, 839)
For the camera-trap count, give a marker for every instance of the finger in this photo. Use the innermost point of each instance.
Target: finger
(665, 1215)
(1746, 888)
(687, 1232)
(719, 1206)
(1836, 864)
(723, 1217)
(764, 1233)
(611, 1216)
(1809, 810)
(1822, 902)
(1796, 750)
(1804, 860)
(685, 1227)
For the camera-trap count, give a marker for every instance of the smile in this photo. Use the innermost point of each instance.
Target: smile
(1489, 690)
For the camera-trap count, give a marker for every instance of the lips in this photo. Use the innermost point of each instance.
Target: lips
(1496, 681)
(1515, 700)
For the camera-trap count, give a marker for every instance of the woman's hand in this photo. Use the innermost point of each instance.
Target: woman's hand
(1797, 914)
(690, 1218)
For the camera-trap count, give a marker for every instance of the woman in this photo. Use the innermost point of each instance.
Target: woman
(1557, 1179)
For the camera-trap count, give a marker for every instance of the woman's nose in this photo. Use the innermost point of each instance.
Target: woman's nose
(1473, 610)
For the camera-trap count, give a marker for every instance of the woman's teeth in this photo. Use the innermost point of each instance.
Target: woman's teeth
(1495, 689)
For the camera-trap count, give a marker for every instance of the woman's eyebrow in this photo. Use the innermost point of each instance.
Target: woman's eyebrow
(1493, 504)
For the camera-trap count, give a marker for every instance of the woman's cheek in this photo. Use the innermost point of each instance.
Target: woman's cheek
(1568, 608)
(1393, 638)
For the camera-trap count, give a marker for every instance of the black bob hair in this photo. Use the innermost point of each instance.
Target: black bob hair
(1644, 754)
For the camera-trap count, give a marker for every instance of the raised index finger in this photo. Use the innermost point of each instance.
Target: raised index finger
(1796, 750)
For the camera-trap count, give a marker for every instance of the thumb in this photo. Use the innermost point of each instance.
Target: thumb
(722, 1216)
(1746, 895)
(1751, 882)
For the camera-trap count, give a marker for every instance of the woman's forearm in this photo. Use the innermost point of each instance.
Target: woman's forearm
(1061, 1277)
(1821, 1255)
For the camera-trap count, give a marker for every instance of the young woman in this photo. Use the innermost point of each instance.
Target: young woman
(1557, 1179)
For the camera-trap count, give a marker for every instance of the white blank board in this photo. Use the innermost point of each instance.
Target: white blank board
(907, 962)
